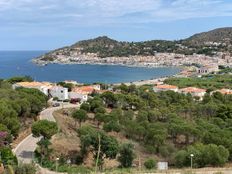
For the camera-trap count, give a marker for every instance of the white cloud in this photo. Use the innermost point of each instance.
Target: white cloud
(99, 12)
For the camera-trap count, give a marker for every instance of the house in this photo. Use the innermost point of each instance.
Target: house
(41, 86)
(195, 92)
(165, 87)
(224, 91)
(87, 89)
(78, 96)
(208, 69)
(60, 92)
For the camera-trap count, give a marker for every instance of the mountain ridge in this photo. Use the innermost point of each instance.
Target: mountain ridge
(208, 43)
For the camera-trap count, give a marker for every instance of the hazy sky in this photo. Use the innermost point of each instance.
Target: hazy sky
(49, 24)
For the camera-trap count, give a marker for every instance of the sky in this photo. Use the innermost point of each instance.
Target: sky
(50, 24)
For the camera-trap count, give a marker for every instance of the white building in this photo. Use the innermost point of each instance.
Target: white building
(78, 95)
(60, 92)
(41, 86)
(96, 87)
(208, 69)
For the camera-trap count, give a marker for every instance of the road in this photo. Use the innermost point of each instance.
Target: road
(25, 149)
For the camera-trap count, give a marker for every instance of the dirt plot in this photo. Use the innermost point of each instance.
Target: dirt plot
(67, 142)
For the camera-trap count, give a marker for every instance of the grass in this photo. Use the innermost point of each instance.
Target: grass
(207, 82)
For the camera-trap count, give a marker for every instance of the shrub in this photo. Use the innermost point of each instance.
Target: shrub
(85, 106)
(79, 169)
(126, 155)
(150, 164)
(25, 169)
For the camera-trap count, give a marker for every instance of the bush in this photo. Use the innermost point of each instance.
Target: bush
(150, 164)
(126, 155)
(25, 169)
(205, 155)
(85, 106)
(100, 110)
(79, 169)
(112, 126)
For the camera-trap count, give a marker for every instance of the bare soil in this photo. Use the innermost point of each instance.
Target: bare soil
(67, 142)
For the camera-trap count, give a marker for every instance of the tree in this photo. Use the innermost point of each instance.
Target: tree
(44, 128)
(150, 163)
(7, 156)
(112, 126)
(181, 158)
(8, 117)
(110, 99)
(204, 155)
(90, 142)
(100, 110)
(20, 79)
(85, 106)
(126, 155)
(80, 115)
(100, 118)
(95, 103)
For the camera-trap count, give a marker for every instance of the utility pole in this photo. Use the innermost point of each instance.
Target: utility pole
(98, 152)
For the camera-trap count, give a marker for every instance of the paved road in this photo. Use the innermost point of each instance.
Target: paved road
(25, 150)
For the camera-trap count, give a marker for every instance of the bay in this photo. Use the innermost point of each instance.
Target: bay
(18, 63)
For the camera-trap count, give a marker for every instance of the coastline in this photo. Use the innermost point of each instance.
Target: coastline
(45, 63)
(141, 82)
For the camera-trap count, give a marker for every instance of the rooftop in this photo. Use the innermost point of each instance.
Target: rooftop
(166, 87)
(192, 90)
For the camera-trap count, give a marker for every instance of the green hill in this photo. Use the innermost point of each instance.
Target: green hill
(208, 43)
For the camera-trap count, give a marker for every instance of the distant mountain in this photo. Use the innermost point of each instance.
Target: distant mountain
(223, 35)
(209, 43)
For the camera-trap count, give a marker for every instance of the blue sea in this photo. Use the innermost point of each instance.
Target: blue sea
(18, 63)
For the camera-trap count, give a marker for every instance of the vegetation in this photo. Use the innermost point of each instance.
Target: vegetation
(16, 108)
(25, 169)
(46, 129)
(150, 164)
(167, 124)
(105, 47)
(127, 155)
(210, 82)
(80, 115)
(100, 144)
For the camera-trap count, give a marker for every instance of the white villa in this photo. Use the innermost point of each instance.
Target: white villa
(60, 92)
(45, 87)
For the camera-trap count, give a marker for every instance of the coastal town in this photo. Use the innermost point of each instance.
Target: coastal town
(158, 60)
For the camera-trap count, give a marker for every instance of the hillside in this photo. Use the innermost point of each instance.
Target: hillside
(223, 35)
(208, 43)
